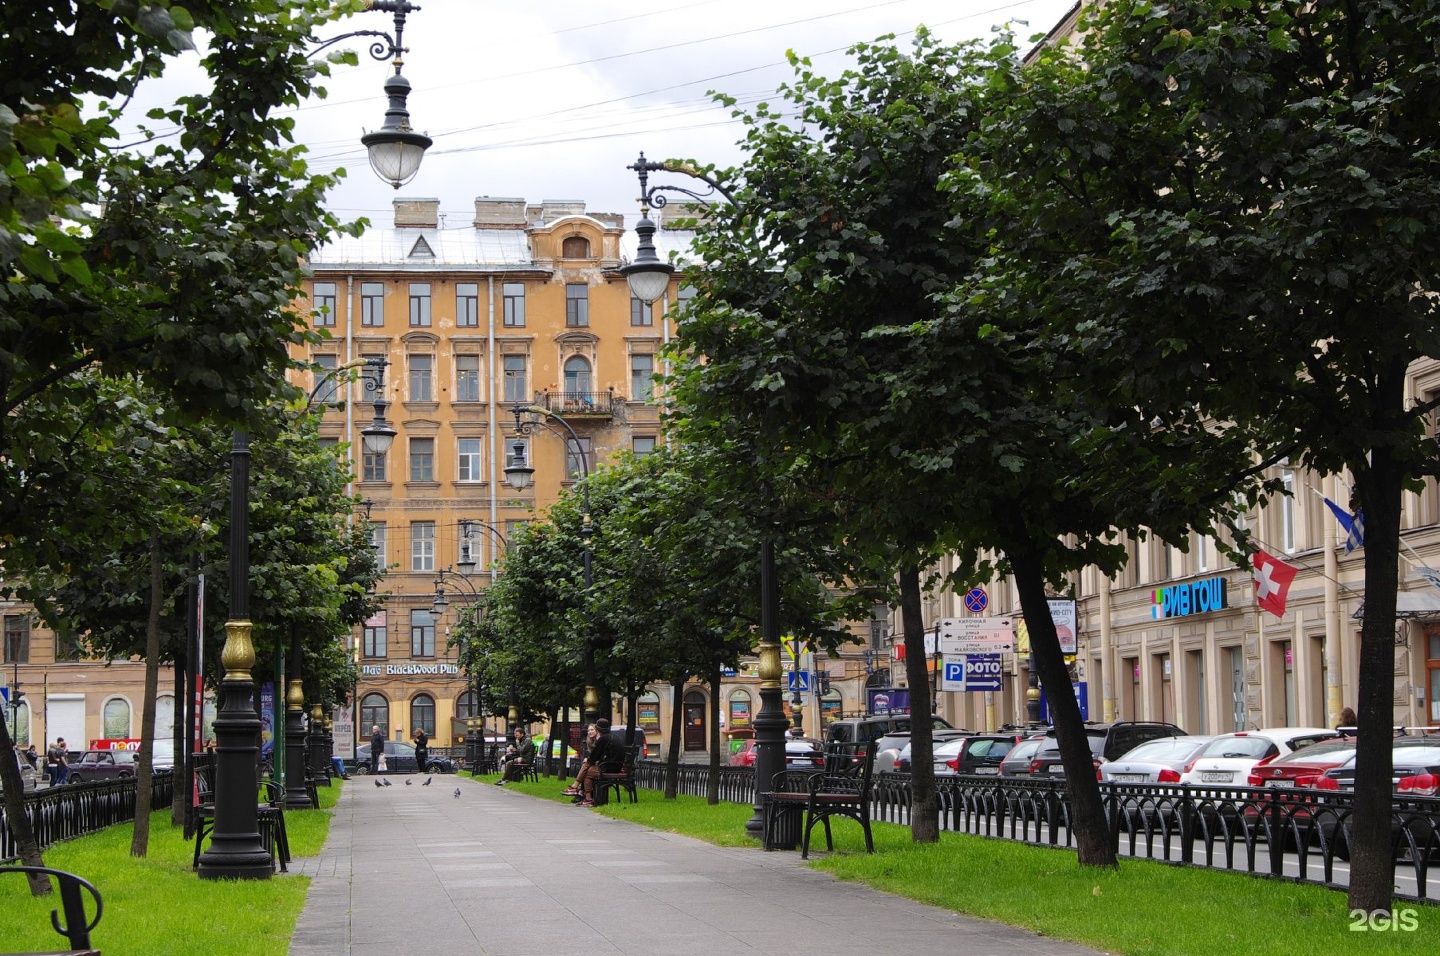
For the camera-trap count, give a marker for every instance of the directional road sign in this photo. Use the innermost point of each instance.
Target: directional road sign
(976, 635)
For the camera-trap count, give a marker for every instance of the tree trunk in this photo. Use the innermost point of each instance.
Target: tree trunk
(712, 787)
(179, 798)
(14, 799)
(564, 744)
(1380, 489)
(549, 743)
(924, 801)
(1087, 812)
(677, 731)
(144, 772)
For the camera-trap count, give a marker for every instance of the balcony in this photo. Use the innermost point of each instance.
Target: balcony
(583, 405)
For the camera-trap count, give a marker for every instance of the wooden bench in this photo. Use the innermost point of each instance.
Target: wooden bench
(622, 781)
(270, 815)
(76, 929)
(841, 788)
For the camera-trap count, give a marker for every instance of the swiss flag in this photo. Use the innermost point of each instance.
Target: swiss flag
(1272, 582)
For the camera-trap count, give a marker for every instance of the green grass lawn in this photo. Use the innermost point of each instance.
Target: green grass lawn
(1141, 909)
(157, 905)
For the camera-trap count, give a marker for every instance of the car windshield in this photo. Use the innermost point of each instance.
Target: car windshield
(1022, 750)
(1166, 748)
(1247, 748)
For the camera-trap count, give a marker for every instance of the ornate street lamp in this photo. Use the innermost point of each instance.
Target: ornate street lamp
(520, 475)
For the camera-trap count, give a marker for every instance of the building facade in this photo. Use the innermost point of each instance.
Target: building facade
(522, 306)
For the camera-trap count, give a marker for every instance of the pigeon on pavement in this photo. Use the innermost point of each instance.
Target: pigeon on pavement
(387, 783)
(407, 783)
(427, 781)
(457, 793)
(378, 783)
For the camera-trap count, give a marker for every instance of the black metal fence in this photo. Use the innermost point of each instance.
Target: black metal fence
(71, 810)
(1295, 834)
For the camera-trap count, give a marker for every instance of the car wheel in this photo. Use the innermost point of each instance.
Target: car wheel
(363, 769)
(434, 768)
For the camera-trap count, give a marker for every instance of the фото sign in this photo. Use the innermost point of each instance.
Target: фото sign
(1192, 597)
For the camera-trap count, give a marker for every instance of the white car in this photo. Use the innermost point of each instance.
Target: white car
(1229, 758)
(1155, 761)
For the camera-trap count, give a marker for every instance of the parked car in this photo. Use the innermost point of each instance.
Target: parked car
(865, 729)
(1016, 763)
(27, 775)
(1416, 773)
(980, 754)
(892, 752)
(102, 765)
(1229, 758)
(1298, 769)
(1163, 760)
(618, 732)
(400, 758)
(801, 753)
(1107, 741)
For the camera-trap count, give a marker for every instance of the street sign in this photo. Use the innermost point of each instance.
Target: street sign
(983, 672)
(798, 681)
(976, 600)
(4, 695)
(976, 635)
(952, 678)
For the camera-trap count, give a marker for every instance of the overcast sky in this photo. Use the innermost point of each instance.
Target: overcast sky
(553, 100)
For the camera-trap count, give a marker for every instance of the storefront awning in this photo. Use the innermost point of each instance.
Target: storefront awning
(1412, 606)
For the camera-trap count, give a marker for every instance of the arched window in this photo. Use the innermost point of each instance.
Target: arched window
(831, 706)
(165, 717)
(739, 709)
(422, 714)
(115, 718)
(647, 706)
(577, 379)
(466, 705)
(374, 712)
(19, 721)
(575, 247)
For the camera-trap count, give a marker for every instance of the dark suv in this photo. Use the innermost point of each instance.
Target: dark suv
(862, 730)
(1107, 741)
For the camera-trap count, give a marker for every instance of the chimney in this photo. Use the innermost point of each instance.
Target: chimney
(417, 213)
(495, 213)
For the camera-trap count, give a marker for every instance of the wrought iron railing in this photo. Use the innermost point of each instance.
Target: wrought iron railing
(72, 810)
(1296, 834)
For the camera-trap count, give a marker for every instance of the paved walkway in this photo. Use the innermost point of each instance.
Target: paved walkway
(411, 869)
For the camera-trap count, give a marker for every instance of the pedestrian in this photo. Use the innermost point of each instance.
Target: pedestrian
(422, 749)
(32, 757)
(56, 764)
(520, 755)
(1348, 722)
(377, 748)
(605, 755)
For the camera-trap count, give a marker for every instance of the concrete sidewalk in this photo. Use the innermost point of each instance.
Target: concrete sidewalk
(411, 869)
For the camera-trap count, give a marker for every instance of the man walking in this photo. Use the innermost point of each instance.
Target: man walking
(377, 748)
(55, 762)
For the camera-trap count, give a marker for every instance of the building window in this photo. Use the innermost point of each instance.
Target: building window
(575, 247)
(640, 312)
(739, 709)
(684, 299)
(326, 299)
(514, 317)
(422, 459)
(374, 712)
(19, 721)
(1432, 671)
(467, 378)
(577, 457)
(467, 705)
(422, 716)
(1202, 553)
(642, 444)
(17, 638)
(376, 636)
(372, 304)
(577, 305)
(642, 374)
(325, 387)
(373, 467)
(67, 645)
(515, 386)
(422, 546)
(467, 305)
(1287, 512)
(577, 379)
(115, 719)
(422, 378)
(420, 305)
(422, 633)
(378, 541)
(467, 454)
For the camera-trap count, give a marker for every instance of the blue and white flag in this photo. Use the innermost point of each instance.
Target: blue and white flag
(1354, 525)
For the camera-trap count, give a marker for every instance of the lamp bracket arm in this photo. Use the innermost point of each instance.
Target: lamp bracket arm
(381, 51)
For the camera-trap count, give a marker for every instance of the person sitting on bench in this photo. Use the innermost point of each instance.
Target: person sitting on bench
(520, 756)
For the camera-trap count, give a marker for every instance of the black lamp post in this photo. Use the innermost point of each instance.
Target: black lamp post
(648, 277)
(519, 474)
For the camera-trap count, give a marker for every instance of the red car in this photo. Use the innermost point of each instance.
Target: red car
(801, 753)
(1295, 771)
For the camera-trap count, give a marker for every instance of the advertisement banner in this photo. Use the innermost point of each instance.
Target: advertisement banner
(889, 700)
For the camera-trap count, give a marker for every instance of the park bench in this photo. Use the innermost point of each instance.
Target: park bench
(798, 800)
(270, 815)
(76, 928)
(621, 781)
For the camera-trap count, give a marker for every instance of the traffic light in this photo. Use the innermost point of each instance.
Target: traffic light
(822, 682)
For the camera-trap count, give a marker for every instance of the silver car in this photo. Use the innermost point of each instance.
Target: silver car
(1156, 761)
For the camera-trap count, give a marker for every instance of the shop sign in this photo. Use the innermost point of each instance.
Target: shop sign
(1192, 597)
(401, 670)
